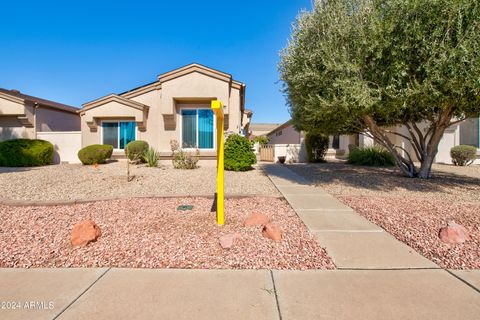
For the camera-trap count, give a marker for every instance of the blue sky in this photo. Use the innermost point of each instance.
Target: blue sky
(77, 51)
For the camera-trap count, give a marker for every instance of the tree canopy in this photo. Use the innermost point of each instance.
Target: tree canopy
(364, 66)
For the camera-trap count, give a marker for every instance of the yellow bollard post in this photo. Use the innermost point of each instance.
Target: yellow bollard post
(217, 107)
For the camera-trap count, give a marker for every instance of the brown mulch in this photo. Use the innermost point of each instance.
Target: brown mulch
(416, 222)
(151, 233)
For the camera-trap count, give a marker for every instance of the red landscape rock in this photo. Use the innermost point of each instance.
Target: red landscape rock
(453, 233)
(227, 240)
(257, 219)
(84, 232)
(272, 231)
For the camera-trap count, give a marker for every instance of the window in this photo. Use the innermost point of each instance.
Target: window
(118, 133)
(278, 133)
(197, 128)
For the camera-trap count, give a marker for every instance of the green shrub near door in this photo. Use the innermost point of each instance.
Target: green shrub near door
(371, 156)
(239, 154)
(25, 153)
(95, 153)
(316, 145)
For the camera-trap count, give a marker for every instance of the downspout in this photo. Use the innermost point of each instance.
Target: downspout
(35, 107)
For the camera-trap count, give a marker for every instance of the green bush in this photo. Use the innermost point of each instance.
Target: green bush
(371, 156)
(317, 146)
(135, 150)
(151, 157)
(239, 155)
(463, 155)
(95, 153)
(25, 153)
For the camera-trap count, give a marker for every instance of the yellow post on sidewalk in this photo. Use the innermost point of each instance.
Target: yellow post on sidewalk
(217, 107)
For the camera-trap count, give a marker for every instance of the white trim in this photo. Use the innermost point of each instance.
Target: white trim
(181, 130)
(118, 131)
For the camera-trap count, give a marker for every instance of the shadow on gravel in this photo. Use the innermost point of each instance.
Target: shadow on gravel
(277, 170)
(381, 179)
(17, 169)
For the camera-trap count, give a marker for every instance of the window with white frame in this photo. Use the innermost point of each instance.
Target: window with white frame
(197, 128)
(118, 133)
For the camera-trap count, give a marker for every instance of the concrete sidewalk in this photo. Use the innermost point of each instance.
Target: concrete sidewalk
(236, 294)
(351, 240)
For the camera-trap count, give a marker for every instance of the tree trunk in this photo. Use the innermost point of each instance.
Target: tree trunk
(406, 166)
(426, 167)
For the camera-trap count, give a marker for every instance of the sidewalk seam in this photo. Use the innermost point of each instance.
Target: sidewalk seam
(464, 281)
(276, 296)
(81, 294)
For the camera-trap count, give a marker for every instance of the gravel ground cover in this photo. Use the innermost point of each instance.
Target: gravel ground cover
(412, 210)
(151, 233)
(417, 222)
(75, 181)
(458, 184)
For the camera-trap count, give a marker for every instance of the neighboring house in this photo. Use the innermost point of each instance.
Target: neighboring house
(174, 107)
(467, 132)
(284, 134)
(24, 116)
(261, 129)
(286, 137)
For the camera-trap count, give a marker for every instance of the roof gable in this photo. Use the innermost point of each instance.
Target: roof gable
(114, 98)
(196, 67)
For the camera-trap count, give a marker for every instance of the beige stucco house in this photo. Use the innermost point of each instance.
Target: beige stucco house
(24, 116)
(176, 106)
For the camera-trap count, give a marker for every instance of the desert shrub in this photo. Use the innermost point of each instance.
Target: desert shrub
(25, 153)
(317, 146)
(135, 150)
(182, 159)
(463, 155)
(262, 140)
(95, 153)
(239, 155)
(151, 157)
(371, 156)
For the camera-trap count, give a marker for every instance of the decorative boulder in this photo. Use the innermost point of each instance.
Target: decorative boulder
(227, 240)
(257, 219)
(272, 231)
(84, 232)
(453, 233)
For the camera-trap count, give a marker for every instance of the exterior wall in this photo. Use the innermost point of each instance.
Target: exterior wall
(288, 136)
(66, 145)
(56, 120)
(10, 106)
(11, 128)
(194, 86)
(294, 153)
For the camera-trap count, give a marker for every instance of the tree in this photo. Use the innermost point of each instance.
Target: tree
(365, 66)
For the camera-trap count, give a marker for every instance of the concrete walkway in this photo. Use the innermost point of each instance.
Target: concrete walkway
(351, 240)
